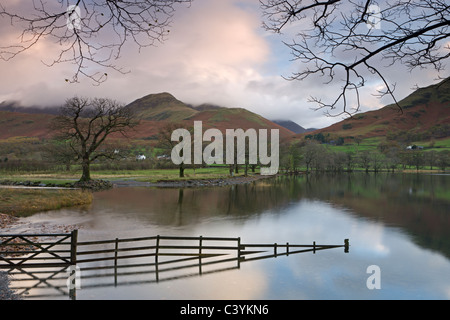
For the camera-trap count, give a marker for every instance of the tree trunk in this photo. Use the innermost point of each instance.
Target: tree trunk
(181, 171)
(86, 170)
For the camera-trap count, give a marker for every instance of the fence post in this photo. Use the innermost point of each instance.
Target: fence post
(73, 247)
(156, 258)
(200, 255)
(116, 251)
(239, 251)
(314, 247)
(346, 243)
(275, 249)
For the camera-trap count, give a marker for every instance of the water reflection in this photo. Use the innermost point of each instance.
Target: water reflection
(418, 204)
(399, 222)
(143, 261)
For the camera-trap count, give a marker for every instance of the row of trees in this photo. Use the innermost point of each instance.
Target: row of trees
(309, 156)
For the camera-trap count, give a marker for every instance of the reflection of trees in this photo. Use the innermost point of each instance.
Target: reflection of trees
(416, 203)
(179, 211)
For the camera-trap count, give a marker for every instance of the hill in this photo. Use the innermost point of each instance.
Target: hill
(291, 125)
(155, 110)
(424, 114)
(161, 106)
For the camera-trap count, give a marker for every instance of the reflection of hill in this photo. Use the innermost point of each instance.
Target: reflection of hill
(418, 204)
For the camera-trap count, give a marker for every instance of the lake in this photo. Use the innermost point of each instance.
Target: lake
(399, 223)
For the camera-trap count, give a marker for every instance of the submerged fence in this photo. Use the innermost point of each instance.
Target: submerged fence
(47, 259)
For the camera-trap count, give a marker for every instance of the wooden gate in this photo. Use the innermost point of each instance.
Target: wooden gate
(19, 251)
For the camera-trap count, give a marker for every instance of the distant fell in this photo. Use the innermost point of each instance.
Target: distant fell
(16, 106)
(291, 125)
(424, 113)
(161, 106)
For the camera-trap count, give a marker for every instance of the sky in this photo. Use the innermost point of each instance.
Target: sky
(217, 52)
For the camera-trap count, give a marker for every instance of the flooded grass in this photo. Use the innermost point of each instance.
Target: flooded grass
(23, 202)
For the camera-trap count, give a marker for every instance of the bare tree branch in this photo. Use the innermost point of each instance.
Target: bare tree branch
(91, 33)
(346, 41)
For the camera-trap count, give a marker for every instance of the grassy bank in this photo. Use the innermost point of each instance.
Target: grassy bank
(22, 202)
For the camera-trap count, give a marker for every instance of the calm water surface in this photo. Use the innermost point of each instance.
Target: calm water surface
(398, 222)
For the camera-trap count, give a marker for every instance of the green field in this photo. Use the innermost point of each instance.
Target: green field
(365, 145)
(371, 144)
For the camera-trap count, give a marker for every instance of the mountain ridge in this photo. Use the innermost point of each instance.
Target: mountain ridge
(153, 110)
(165, 107)
(424, 113)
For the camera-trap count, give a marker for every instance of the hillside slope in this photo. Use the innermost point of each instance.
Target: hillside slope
(15, 124)
(424, 112)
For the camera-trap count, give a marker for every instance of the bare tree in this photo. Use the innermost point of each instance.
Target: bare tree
(347, 41)
(91, 34)
(85, 124)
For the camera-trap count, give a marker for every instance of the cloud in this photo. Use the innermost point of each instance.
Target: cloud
(213, 48)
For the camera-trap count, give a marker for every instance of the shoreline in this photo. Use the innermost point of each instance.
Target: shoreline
(191, 183)
(105, 184)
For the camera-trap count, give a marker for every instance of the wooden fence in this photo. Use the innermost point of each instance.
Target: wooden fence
(118, 262)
